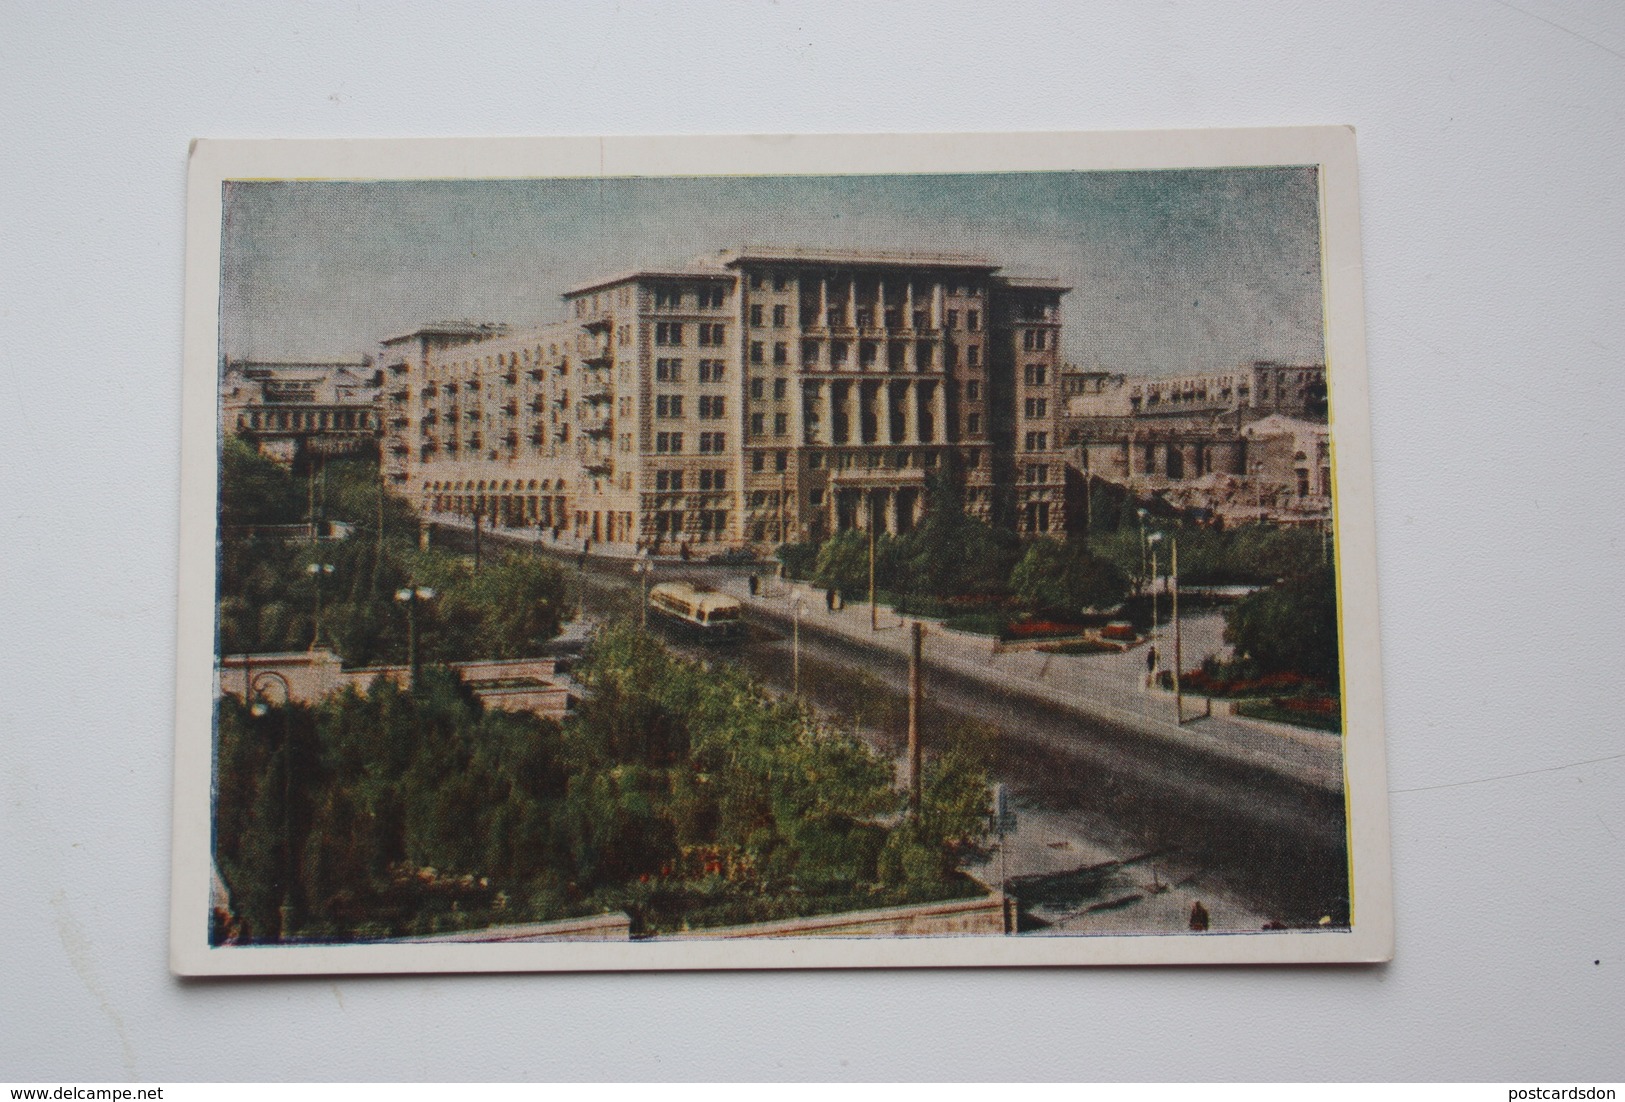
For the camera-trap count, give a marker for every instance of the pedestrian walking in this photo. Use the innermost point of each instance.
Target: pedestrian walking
(1199, 917)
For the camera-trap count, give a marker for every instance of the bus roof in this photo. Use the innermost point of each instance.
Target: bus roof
(701, 600)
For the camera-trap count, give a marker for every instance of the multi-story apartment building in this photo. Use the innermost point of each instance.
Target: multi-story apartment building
(755, 397)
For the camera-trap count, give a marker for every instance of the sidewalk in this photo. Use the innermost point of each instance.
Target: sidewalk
(1108, 686)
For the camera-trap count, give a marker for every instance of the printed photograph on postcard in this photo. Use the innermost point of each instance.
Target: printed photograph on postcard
(651, 553)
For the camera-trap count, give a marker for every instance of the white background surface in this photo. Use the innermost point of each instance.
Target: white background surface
(1492, 168)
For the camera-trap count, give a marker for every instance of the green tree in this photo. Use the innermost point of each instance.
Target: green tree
(1290, 627)
(843, 562)
(1062, 575)
(953, 554)
(255, 489)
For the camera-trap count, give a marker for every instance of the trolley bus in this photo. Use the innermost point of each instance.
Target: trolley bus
(697, 612)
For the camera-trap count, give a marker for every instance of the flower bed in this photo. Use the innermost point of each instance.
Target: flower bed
(1040, 629)
(1211, 683)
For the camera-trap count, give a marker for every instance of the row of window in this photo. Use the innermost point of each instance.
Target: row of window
(875, 460)
(669, 369)
(671, 443)
(713, 523)
(781, 424)
(315, 420)
(712, 334)
(863, 318)
(705, 298)
(1035, 340)
(708, 478)
(670, 406)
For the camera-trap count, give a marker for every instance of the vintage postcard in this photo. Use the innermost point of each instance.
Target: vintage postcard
(784, 551)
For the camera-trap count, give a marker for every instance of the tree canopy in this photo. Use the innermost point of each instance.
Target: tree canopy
(680, 792)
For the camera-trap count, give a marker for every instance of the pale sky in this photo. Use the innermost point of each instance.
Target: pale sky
(1171, 271)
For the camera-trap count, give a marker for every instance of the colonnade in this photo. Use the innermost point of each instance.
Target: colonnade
(891, 509)
(882, 411)
(1185, 459)
(507, 510)
(848, 304)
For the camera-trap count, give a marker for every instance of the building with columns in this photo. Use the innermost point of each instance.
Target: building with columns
(294, 412)
(1245, 443)
(756, 396)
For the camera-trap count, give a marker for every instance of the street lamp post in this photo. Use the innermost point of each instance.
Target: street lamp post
(259, 706)
(410, 596)
(1143, 549)
(1173, 570)
(316, 570)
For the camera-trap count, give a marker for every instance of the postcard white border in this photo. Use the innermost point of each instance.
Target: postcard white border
(1370, 937)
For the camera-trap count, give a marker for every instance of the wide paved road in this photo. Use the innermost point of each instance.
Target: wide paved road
(1105, 795)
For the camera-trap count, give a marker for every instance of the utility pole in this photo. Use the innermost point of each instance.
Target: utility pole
(1088, 500)
(874, 615)
(477, 514)
(914, 700)
(378, 536)
(1151, 543)
(1179, 698)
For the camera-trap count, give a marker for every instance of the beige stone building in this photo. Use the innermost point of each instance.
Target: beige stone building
(753, 397)
(294, 410)
(1246, 443)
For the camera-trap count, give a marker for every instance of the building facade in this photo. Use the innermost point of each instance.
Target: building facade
(755, 397)
(1246, 443)
(292, 411)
